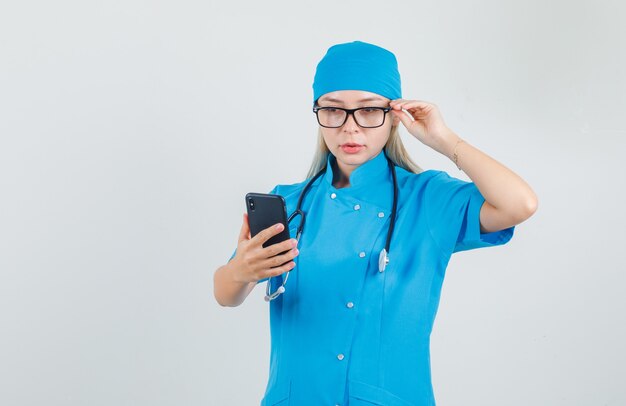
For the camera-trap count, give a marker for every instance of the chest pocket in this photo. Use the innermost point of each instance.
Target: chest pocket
(363, 394)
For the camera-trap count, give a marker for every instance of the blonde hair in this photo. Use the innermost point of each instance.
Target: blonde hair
(394, 148)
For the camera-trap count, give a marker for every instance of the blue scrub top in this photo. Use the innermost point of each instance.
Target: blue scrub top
(344, 333)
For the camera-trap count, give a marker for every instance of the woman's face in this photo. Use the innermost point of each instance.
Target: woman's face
(351, 144)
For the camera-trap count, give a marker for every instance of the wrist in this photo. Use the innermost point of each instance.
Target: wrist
(455, 153)
(232, 272)
(451, 142)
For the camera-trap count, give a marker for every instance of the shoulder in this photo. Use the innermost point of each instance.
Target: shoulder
(288, 190)
(422, 180)
(433, 188)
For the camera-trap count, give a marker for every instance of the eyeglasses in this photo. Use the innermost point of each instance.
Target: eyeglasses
(366, 117)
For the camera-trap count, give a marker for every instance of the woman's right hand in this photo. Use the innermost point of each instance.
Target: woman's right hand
(253, 262)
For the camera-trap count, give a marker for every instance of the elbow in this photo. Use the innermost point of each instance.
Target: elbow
(217, 297)
(223, 303)
(527, 208)
(531, 204)
(219, 301)
(217, 292)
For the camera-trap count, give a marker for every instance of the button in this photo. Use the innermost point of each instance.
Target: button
(349, 305)
(340, 357)
(381, 214)
(333, 195)
(357, 206)
(362, 254)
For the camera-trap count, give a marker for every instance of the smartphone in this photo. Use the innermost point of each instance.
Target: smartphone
(265, 210)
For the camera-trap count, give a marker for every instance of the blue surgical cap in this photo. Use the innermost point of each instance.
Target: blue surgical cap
(357, 65)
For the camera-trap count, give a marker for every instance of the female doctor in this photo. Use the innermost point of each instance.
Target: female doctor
(352, 324)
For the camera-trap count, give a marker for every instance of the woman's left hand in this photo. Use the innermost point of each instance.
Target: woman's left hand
(426, 124)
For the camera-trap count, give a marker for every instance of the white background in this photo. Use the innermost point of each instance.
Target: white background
(131, 130)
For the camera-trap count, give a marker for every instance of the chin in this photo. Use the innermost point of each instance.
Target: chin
(352, 159)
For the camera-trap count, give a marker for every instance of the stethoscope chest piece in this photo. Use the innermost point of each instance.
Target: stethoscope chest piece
(383, 260)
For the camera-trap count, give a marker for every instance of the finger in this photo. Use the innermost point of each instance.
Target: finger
(395, 104)
(244, 233)
(280, 269)
(406, 120)
(418, 106)
(277, 248)
(267, 233)
(407, 104)
(396, 101)
(279, 260)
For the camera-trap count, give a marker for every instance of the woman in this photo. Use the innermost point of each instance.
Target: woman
(352, 327)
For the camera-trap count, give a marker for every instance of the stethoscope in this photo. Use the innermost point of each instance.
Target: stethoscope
(383, 258)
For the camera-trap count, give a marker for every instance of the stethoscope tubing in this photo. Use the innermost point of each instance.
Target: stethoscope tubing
(384, 254)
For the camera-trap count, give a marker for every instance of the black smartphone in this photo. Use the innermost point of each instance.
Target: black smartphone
(265, 210)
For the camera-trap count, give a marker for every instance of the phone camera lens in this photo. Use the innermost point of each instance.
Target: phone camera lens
(251, 203)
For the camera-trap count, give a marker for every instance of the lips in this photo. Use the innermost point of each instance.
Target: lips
(351, 148)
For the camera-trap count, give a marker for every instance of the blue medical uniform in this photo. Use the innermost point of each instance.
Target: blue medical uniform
(344, 333)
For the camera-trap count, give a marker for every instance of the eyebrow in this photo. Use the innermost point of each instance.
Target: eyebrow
(330, 99)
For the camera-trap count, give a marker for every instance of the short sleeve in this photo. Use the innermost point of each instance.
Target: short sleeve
(453, 213)
(273, 191)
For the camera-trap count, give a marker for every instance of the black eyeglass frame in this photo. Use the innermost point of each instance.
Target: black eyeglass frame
(351, 111)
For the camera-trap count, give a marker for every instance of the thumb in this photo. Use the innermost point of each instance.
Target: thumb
(244, 234)
(406, 120)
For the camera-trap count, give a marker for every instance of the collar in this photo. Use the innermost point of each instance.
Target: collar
(371, 172)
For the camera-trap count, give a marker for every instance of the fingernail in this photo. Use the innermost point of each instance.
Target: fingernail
(279, 226)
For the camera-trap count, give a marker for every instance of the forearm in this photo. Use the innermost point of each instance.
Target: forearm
(501, 187)
(227, 291)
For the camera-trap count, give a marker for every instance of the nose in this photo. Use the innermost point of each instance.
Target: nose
(350, 124)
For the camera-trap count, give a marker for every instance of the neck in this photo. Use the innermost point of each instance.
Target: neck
(341, 174)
